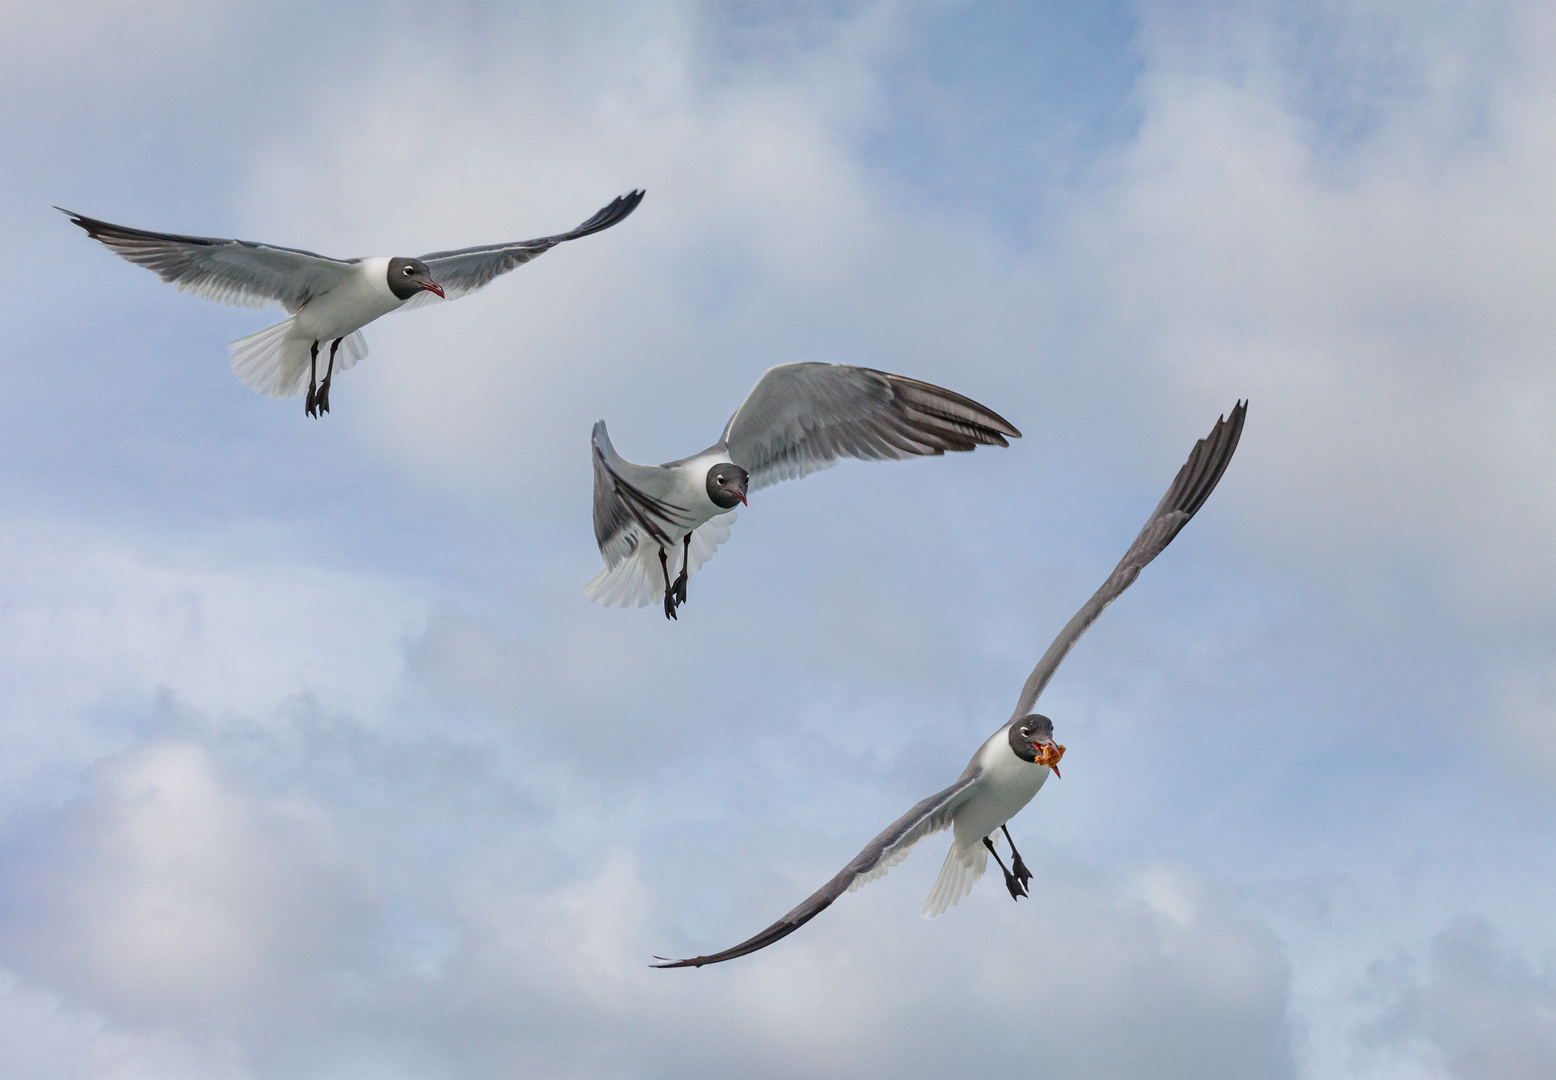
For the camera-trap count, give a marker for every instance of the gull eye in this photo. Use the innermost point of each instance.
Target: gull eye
(409, 271)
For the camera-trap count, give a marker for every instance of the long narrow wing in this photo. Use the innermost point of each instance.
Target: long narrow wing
(238, 272)
(468, 269)
(631, 501)
(803, 417)
(886, 850)
(1193, 485)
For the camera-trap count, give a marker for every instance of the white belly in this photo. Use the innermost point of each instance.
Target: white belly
(351, 305)
(1007, 785)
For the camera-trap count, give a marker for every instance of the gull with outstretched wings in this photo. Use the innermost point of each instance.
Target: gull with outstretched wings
(327, 299)
(1013, 763)
(654, 520)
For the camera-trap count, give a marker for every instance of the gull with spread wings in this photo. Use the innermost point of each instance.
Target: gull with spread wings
(327, 299)
(652, 520)
(1013, 763)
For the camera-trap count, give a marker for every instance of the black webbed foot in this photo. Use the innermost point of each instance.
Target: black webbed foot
(675, 593)
(1020, 871)
(312, 404)
(1017, 867)
(323, 399)
(1014, 884)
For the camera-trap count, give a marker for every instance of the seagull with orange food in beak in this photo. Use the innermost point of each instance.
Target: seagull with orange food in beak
(1013, 763)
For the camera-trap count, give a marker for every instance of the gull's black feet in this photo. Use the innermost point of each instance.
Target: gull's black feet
(312, 406)
(1017, 867)
(675, 595)
(1019, 870)
(1014, 884)
(323, 398)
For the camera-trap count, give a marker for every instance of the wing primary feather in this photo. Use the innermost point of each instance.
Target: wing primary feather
(927, 816)
(1190, 488)
(227, 271)
(464, 270)
(803, 417)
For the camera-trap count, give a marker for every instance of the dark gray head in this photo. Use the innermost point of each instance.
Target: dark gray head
(1032, 739)
(407, 277)
(727, 485)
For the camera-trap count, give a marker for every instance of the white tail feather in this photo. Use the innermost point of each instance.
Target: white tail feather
(639, 580)
(278, 366)
(962, 868)
(270, 362)
(356, 349)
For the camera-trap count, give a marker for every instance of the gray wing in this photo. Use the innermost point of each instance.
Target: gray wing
(889, 848)
(468, 269)
(628, 495)
(1193, 485)
(239, 272)
(803, 417)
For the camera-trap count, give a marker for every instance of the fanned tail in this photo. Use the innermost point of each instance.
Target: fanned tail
(962, 868)
(270, 362)
(638, 580)
(278, 366)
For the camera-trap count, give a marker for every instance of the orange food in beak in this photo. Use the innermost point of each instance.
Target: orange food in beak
(1049, 755)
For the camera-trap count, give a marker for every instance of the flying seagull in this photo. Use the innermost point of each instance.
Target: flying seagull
(652, 520)
(328, 299)
(1013, 763)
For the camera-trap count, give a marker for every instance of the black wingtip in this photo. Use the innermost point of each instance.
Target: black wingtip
(79, 219)
(613, 213)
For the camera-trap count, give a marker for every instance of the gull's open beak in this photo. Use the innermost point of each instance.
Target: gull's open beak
(433, 287)
(1049, 754)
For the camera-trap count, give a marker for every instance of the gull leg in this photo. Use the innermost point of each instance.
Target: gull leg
(324, 387)
(679, 588)
(1018, 867)
(1017, 890)
(311, 408)
(664, 564)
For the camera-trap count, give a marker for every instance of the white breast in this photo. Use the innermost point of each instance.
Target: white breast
(362, 297)
(1007, 785)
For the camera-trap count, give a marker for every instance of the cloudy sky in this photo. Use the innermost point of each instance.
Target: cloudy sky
(315, 763)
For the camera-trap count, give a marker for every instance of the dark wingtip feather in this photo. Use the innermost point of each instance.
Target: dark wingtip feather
(613, 213)
(1206, 465)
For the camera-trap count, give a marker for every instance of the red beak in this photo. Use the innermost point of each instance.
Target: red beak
(743, 499)
(433, 286)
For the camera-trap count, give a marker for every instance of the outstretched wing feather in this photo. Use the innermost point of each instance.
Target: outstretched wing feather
(1190, 488)
(238, 272)
(464, 271)
(801, 418)
(928, 817)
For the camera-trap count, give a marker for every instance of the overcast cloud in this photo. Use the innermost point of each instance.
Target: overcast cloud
(315, 763)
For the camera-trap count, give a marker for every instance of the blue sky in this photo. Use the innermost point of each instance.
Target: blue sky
(314, 762)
